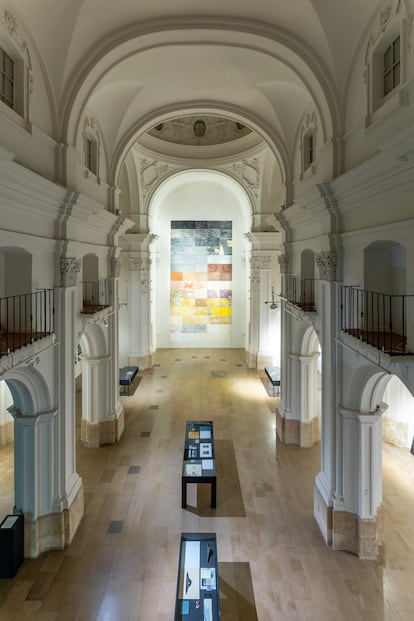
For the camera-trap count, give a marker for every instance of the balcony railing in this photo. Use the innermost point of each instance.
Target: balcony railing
(300, 292)
(378, 319)
(96, 295)
(25, 318)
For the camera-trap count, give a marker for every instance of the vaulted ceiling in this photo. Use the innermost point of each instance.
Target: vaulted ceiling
(136, 64)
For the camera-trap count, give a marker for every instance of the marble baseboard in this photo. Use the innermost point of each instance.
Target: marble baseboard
(364, 538)
(323, 515)
(7, 433)
(105, 432)
(291, 431)
(142, 362)
(54, 531)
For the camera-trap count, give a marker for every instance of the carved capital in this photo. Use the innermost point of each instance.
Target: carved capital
(69, 269)
(260, 262)
(326, 261)
(283, 260)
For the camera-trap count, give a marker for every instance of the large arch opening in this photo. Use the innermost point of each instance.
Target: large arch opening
(200, 219)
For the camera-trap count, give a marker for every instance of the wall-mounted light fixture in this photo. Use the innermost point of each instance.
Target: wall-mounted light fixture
(272, 302)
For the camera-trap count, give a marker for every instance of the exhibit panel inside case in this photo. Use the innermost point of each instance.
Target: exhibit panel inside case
(198, 596)
(199, 459)
(199, 464)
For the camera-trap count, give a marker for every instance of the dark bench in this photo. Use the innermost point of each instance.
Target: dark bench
(126, 378)
(273, 375)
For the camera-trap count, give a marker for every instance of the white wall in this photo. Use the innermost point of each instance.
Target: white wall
(200, 200)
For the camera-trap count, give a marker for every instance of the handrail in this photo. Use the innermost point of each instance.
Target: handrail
(96, 295)
(300, 292)
(25, 318)
(379, 319)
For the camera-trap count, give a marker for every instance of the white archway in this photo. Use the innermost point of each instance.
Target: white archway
(199, 195)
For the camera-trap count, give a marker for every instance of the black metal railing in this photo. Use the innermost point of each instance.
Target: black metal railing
(25, 318)
(300, 292)
(96, 295)
(378, 319)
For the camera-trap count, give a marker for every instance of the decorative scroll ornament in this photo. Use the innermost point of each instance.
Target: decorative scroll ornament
(384, 17)
(249, 172)
(151, 172)
(283, 260)
(326, 261)
(69, 270)
(135, 264)
(115, 267)
(11, 23)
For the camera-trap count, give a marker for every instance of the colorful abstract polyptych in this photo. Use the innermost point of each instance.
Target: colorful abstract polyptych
(201, 276)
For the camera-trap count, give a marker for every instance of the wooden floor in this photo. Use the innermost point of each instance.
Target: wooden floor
(273, 563)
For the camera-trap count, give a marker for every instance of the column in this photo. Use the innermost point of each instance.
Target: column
(328, 311)
(357, 521)
(113, 428)
(35, 484)
(68, 484)
(139, 300)
(95, 389)
(264, 335)
(301, 418)
(6, 420)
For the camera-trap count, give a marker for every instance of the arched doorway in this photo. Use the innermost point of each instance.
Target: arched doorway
(200, 218)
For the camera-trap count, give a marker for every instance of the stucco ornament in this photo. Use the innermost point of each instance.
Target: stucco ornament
(326, 261)
(69, 269)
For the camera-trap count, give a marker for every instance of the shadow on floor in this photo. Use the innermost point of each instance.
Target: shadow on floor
(229, 495)
(236, 592)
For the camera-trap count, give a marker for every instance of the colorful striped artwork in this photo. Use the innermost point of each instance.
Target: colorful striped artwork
(201, 276)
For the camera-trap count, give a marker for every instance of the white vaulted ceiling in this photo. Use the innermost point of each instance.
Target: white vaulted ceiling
(133, 64)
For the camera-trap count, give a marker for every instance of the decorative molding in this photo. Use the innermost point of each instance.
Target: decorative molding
(115, 267)
(326, 261)
(408, 28)
(254, 282)
(283, 260)
(384, 17)
(260, 262)
(199, 130)
(248, 171)
(11, 23)
(69, 269)
(151, 172)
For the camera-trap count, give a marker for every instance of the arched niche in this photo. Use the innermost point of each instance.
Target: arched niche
(385, 267)
(15, 271)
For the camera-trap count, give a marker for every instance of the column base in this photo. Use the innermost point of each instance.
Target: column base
(256, 360)
(54, 531)
(142, 362)
(364, 538)
(291, 431)
(323, 515)
(347, 532)
(106, 432)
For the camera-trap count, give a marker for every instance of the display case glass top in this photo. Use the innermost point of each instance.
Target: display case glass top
(199, 458)
(198, 596)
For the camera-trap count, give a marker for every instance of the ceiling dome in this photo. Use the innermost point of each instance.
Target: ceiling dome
(200, 130)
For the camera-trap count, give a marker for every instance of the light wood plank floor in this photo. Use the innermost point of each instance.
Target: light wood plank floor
(273, 563)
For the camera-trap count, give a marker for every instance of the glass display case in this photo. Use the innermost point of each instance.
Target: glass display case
(199, 463)
(198, 597)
